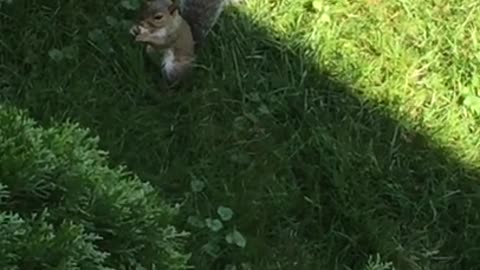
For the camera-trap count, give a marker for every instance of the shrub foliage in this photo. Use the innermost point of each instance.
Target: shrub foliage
(63, 207)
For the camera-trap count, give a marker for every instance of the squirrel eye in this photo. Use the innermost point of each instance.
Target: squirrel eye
(158, 17)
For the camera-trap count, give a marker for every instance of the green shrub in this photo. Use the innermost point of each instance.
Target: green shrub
(63, 207)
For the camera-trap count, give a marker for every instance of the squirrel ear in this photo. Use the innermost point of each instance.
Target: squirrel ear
(147, 2)
(173, 7)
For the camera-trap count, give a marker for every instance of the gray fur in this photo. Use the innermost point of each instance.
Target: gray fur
(201, 15)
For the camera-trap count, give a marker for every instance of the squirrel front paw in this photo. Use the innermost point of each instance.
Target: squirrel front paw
(143, 38)
(134, 30)
(137, 30)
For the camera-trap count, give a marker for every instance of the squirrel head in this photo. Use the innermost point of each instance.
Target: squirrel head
(158, 14)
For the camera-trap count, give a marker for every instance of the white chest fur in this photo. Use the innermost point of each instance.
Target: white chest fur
(169, 61)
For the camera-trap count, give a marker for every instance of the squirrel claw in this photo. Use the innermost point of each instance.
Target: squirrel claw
(139, 33)
(137, 30)
(134, 30)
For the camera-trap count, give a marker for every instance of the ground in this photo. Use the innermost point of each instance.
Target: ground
(334, 130)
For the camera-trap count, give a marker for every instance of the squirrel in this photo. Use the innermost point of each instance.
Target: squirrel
(177, 30)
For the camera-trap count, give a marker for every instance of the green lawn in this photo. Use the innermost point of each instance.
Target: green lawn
(334, 130)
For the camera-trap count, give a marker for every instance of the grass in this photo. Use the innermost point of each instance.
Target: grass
(334, 130)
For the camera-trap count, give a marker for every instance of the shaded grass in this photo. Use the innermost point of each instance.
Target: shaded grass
(332, 129)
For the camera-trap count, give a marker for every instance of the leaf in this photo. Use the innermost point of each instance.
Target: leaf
(240, 158)
(214, 224)
(56, 55)
(475, 81)
(130, 4)
(229, 238)
(195, 222)
(263, 109)
(111, 21)
(255, 97)
(95, 35)
(70, 52)
(230, 267)
(225, 213)
(472, 102)
(211, 249)
(325, 18)
(197, 185)
(246, 266)
(317, 5)
(236, 238)
(251, 117)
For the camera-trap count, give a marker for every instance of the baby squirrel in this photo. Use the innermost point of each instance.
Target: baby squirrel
(177, 30)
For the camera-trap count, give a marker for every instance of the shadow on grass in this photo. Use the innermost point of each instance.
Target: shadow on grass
(317, 178)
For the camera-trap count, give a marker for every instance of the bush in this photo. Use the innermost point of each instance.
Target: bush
(62, 207)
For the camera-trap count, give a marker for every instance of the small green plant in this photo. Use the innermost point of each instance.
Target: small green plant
(219, 227)
(69, 52)
(471, 100)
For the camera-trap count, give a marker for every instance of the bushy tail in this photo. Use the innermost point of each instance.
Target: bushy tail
(201, 15)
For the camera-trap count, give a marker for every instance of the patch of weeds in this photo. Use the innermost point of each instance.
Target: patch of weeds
(218, 230)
